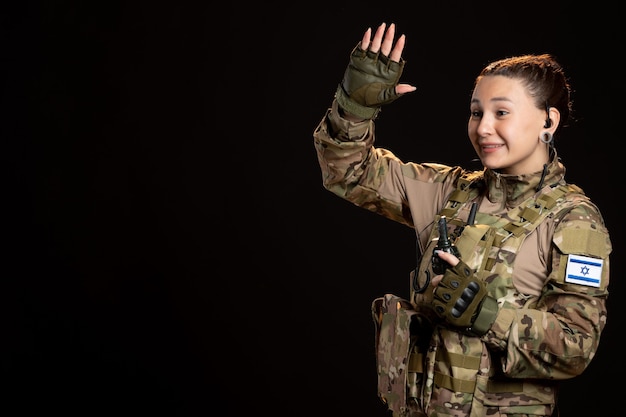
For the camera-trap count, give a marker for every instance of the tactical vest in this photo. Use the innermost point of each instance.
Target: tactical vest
(456, 368)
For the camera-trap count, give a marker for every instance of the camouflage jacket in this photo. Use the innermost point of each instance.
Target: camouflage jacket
(548, 327)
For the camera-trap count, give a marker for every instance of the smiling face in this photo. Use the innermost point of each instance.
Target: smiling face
(505, 126)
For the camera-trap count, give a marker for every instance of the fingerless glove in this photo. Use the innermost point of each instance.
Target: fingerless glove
(369, 82)
(461, 300)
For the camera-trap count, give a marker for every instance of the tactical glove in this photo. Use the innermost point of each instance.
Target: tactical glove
(369, 82)
(462, 301)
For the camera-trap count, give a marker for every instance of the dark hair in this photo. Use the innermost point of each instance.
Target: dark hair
(542, 75)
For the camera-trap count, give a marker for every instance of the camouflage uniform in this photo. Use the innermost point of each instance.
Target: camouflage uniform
(547, 327)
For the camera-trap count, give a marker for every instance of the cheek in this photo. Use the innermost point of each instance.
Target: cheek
(471, 129)
(473, 138)
(472, 132)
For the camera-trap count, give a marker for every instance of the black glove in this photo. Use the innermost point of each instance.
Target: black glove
(369, 82)
(462, 301)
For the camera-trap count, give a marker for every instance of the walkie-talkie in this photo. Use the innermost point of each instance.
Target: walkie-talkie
(443, 244)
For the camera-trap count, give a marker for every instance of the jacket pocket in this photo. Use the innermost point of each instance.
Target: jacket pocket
(510, 397)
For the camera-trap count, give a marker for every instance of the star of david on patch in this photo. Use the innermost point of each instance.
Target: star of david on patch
(584, 270)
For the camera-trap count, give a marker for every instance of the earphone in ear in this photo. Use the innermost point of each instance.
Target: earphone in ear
(548, 120)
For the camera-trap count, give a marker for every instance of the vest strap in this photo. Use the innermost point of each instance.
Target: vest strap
(416, 362)
(454, 384)
(459, 360)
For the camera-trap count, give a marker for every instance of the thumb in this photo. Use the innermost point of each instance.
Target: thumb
(405, 88)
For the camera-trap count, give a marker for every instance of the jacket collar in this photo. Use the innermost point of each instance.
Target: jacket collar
(512, 190)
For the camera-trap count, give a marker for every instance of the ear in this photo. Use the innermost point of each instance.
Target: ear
(553, 119)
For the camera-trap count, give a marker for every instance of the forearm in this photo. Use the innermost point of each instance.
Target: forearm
(356, 171)
(342, 147)
(556, 344)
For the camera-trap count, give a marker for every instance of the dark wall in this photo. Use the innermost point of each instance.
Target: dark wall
(168, 246)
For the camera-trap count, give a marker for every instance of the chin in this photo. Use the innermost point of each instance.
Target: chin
(492, 163)
(495, 167)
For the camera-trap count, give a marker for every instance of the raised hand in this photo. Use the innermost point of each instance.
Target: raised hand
(372, 77)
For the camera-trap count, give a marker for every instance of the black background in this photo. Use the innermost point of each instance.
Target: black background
(168, 247)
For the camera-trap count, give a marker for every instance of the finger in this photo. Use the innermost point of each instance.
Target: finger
(396, 53)
(365, 41)
(436, 280)
(388, 40)
(378, 38)
(448, 257)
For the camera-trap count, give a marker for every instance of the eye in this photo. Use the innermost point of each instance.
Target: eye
(476, 114)
(501, 113)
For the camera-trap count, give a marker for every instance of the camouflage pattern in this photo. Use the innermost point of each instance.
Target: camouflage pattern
(546, 329)
(393, 316)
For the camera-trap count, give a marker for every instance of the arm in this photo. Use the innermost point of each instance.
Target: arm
(345, 137)
(556, 337)
(559, 337)
(355, 170)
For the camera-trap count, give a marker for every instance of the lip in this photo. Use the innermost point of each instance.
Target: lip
(490, 147)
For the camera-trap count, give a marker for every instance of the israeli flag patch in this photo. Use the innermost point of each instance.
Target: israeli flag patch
(584, 270)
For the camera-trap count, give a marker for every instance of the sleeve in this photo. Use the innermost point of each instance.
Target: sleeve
(374, 178)
(558, 338)
(353, 169)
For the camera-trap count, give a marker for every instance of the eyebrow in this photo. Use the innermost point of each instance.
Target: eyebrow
(495, 99)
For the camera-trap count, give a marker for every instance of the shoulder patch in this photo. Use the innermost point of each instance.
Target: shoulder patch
(584, 270)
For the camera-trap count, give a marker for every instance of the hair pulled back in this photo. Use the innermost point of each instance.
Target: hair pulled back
(542, 75)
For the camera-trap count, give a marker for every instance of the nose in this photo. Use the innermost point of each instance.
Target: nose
(485, 126)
